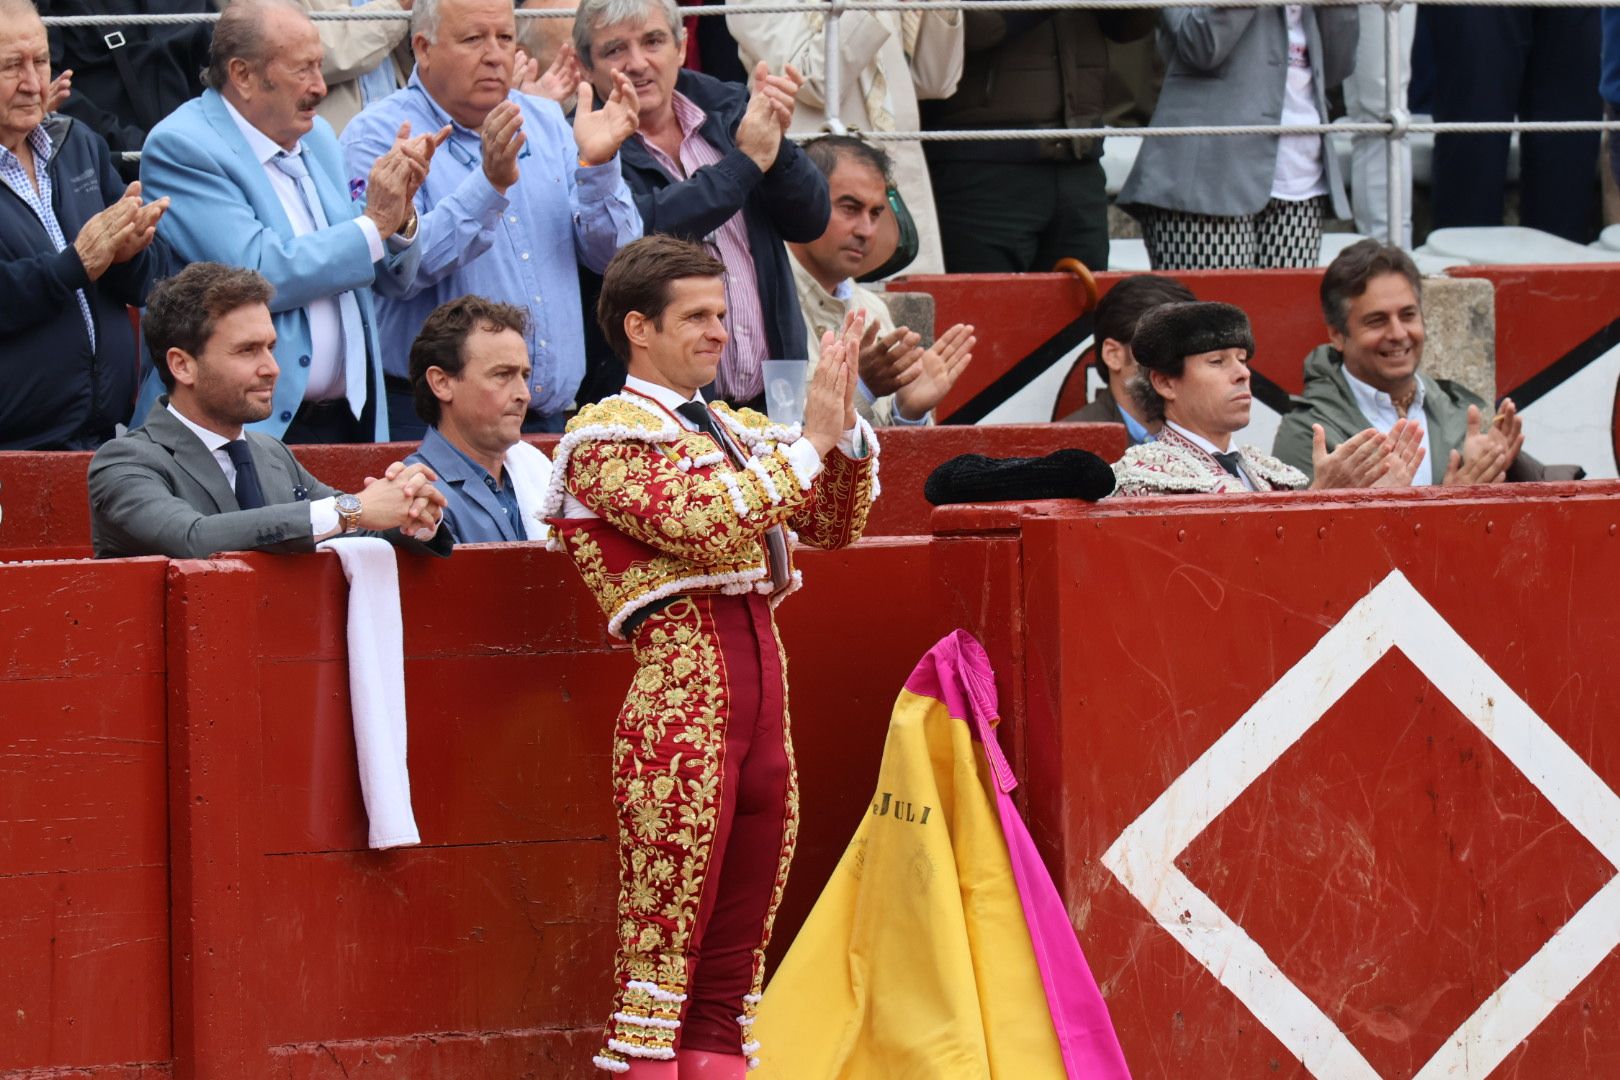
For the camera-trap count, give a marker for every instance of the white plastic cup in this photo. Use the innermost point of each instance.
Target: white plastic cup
(786, 390)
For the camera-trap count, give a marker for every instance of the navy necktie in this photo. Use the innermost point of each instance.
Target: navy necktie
(776, 543)
(249, 496)
(1230, 461)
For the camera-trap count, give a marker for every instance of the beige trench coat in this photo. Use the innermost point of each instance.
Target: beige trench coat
(870, 42)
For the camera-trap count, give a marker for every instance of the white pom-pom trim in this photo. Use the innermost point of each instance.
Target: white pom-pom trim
(751, 1047)
(656, 992)
(738, 503)
(651, 1053)
(805, 479)
(612, 1065)
(738, 581)
(646, 1021)
(755, 466)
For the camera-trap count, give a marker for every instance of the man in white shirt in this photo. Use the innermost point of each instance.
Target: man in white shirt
(900, 381)
(1368, 376)
(191, 481)
(259, 181)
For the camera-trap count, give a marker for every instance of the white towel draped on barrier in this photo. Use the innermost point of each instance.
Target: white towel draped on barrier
(377, 686)
(531, 473)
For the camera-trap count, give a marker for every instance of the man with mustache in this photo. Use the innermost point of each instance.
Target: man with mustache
(518, 201)
(257, 180)
(470, 377)
(1372, 299)
(193, 480)
(1193, 379)
(900, 381)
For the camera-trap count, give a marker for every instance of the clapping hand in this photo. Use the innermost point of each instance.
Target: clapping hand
(118, 233)
(600, 132)
(60, 89)
(1486, 455)
(769, 114)
(559, 82)
(502, 138)
(888, 362)
(936, 371)
(829, 409)
(1355, 463)
(1404, 443)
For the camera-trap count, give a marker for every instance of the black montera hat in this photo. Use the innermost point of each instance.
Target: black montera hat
(1063, 474)
(1168, 334)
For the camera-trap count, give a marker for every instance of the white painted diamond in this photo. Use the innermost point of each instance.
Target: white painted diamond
(1392, 616)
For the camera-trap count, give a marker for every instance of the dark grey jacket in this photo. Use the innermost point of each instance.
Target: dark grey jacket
(1230, 66)
(158, 491)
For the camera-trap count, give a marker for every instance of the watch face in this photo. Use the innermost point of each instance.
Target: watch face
(347, 504)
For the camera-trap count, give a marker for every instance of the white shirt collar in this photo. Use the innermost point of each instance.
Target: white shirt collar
(263, 146)
(844, 290)
(669, 399)
(213, 440)
(1378, 406)
(1197, 440)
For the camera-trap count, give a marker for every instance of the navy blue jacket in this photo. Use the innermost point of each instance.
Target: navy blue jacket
(788, 203)
(56, 392)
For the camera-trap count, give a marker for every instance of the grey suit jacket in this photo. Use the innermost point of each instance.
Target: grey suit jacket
(1230, 66)
(158, 491)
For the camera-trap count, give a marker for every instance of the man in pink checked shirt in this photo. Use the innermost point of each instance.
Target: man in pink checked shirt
(709, 163)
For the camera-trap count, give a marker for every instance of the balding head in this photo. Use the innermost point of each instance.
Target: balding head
(25, 71)
(244, 33)
(266, 61)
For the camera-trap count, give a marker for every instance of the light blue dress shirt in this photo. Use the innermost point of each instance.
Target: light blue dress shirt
(521, 248)
(1379, 409)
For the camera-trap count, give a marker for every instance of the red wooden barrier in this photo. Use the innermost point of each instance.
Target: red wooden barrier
(47, 513)
(84, 865)
(1422, 882)
(184, 887)
(236, 830)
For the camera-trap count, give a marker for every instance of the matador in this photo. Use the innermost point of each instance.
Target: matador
(681, 517)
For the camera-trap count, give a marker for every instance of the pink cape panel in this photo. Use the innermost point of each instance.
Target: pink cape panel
(957, 673)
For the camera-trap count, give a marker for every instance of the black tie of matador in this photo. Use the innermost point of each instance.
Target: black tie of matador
(776, 546)
(1229, 461)
(249, 496)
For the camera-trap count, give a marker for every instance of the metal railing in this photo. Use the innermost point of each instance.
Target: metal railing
(1395, 125)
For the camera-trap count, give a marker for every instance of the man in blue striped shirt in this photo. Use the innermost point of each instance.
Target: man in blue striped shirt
(515, 203)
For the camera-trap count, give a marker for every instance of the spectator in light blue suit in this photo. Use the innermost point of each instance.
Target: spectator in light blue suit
(257, 180)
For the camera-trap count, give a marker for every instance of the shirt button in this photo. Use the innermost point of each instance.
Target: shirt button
(303, 361)
(524, 256)
(513, 219)
(537, 300)
(285, 415)
(542, 343)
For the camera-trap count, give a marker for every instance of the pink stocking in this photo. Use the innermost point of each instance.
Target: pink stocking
(709, 1065)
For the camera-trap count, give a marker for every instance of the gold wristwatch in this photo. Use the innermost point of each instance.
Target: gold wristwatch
(348, 511)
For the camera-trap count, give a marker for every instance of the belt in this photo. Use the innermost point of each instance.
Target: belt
(633, 623)
(317, 408)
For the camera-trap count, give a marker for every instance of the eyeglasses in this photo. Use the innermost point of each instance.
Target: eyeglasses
(467, 158)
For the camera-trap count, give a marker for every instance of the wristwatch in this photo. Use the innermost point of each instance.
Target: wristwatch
(348, 511)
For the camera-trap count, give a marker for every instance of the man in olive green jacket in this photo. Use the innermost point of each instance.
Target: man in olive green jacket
(1368, 377)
